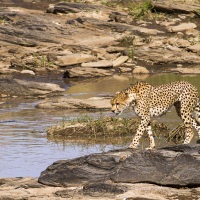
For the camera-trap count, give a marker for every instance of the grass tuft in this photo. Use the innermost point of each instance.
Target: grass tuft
(106, 130)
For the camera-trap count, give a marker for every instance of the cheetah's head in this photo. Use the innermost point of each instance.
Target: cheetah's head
(129, 96)
(120, 102)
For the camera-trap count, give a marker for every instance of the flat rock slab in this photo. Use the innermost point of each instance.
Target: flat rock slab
(86, 72)
(181, 27)
(19, 87)
(175, 7)
(175, 166)
(67, 7)
(73, 59)
(195, 48)
(65, 103)
(194, 70)
(99, 64)
(120, 60)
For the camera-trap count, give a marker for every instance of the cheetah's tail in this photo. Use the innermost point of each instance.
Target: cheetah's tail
(197, 113)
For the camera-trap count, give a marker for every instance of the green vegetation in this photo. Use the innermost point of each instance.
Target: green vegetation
(3, 20)
(40, 61)
(127, 40)
(139, 10)
(106, 130)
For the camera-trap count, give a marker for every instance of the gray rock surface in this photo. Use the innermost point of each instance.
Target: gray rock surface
(176, 166)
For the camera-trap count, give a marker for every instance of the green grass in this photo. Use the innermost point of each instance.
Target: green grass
(106, 130)
(40, 61)
(140, 10)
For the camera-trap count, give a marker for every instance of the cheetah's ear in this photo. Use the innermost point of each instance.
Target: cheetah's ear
(117, 92)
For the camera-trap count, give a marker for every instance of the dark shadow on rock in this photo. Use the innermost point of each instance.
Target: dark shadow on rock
(103, 189)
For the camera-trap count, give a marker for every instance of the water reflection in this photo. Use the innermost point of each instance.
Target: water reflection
(25, 150)
(109, 85)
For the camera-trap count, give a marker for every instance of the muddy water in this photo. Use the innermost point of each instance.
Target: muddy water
(25, 150)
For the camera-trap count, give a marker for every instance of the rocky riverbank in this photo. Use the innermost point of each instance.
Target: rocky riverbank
(29, 188)
(95, 39)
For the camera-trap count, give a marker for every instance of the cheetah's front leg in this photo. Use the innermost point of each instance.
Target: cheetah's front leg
(151, 139)
(140, 131)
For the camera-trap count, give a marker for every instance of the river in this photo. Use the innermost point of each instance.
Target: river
(25, 149)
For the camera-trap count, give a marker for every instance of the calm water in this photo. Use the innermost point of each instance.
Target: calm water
(25, 151)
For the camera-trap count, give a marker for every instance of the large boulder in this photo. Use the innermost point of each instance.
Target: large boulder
(175, 166)
(19, 87)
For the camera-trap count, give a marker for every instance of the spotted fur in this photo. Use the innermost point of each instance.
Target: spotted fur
(149, 101)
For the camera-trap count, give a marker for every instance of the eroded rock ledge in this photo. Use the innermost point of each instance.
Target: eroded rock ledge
(176, 166)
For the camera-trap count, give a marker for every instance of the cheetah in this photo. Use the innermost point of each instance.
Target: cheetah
(148, 101)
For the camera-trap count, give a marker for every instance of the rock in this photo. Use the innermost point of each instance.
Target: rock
(180, 35)
(176, 166)
(156, 44)
(64, 103)
(194, 48)
(181, 27)
(169, 56)
(25, 71)
(29, 188)
(192, 70)
(120, 60)
(179, 65)
(192, 32)
(10, 87)
(167, 23)
(120, 17)
(140, 70)
(73, 59)
(175, 7)
(181, 43)
(125, 69)
(102, 54)
(115, 49)
(37, 88)
(86, 72)
(147, 31)
(173, 48)
(25, 188)
(118, 27)
(7, 70)
(67, 7)
(99, 64)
